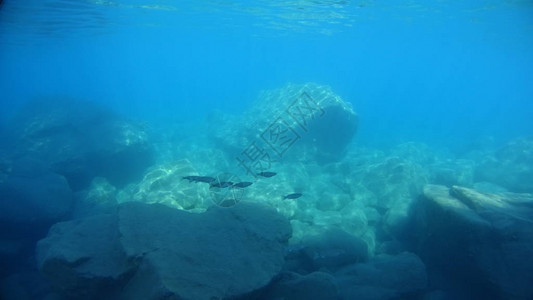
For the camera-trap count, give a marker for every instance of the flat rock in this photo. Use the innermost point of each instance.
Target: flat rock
(152, 251)
(221, 253)
(485, 239)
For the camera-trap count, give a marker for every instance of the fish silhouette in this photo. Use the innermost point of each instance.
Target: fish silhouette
(266, 174)
(293, 196)
(242, 184)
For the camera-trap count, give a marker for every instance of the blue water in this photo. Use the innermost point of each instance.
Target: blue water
(434, 73)
(159, 90)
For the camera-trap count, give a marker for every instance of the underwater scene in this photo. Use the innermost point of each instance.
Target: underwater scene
(284, 150)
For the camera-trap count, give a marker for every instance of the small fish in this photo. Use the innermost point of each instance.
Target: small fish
(293, 196)
(190, 178)
(242, 184)
(221, 184)
(267, 174)
(205, 179)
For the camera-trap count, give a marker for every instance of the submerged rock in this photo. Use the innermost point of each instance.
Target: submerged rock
(40, 198)
(152, 251)
(99, 198)
(329, 251)
(221, 253)
(453, 172)
(299, 122)
(293, 286)
(510, 167)
(396, 183)
(383, 277)
(484, 240)
(83, 259)
(80, 140)
(32, 199)
(165, 184)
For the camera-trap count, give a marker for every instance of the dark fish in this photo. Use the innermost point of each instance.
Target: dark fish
(190, 178)
(221, 184)
(242, 184)
(267, 174)
(293, 196)
(205, 179)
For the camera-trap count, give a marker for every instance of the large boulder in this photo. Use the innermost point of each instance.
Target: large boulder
(298, 122)
(152, 251)
(221, 253)
(83, 259)
(80, 140)
(480, 242)
(453, 172)
(510, 166)
(396, 183)
(31, 194)
(32, 199)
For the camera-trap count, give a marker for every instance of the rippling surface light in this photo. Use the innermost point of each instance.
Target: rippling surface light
(30, 18)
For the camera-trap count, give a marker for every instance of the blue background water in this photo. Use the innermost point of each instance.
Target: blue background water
(440, 73)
